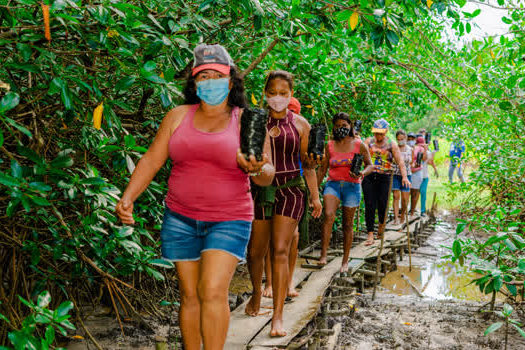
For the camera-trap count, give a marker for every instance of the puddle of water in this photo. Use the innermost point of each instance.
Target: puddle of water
(437, 281)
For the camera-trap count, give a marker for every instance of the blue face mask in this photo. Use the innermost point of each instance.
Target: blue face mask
(213, 91)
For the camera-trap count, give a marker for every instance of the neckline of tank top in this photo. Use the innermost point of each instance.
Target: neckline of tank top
(191, 120)
(288, 117)
(387, 144)
(353, 148)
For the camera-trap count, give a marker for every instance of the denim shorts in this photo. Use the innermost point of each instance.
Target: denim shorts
(349, 193)
(184, 239)
(397, 183)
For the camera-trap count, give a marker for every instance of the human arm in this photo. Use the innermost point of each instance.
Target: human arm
(149, 164)
(430, 161)
(309, 166)
(399, 160)
(369, 167)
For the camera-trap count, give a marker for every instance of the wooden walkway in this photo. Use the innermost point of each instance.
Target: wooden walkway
(254, 332)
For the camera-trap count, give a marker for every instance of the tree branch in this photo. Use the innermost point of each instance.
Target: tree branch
(258, 60)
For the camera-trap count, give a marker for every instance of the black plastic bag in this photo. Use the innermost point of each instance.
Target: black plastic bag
(428, 136)
(357, 163)
(419, 159)
(253, 132)
(316, 140)
(436, 145)
(357, 126)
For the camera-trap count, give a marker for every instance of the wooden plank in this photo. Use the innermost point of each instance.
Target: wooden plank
(362, 251)
(392, 236)
(303, 309)
(243, 327)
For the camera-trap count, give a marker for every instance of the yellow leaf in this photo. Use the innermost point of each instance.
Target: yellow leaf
(407, 324)
(342, 86)
(354, 19)
(112, 33)
(254, 100)
(514, 64)
(479, 59)
(395, 93)
(492, 54)
(161, 75)
(384, 21)
(340, 60)
(313, 111)
(429, 3)
(319, 94)
(373, 77)
(410, 104)
(78, 337)
(309, 106)
(97, 116)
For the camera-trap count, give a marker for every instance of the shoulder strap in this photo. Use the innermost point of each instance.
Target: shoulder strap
(330, 148)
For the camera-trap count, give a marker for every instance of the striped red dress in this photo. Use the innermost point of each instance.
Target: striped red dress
(285, 143)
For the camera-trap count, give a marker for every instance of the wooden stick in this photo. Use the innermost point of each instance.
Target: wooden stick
(418, 292)
(382, 228)
(408, 242)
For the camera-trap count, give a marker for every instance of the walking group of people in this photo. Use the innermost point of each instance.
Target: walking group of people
(223, 206)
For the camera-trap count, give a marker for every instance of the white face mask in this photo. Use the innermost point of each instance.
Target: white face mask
(278, 103)
(412, 143)
(401, 143)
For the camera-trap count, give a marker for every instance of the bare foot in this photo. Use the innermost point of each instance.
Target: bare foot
(370, 239)
(292, 292)
(253, 306)
(322, 261)
(268, 292)
(344, 267)
(277, 328)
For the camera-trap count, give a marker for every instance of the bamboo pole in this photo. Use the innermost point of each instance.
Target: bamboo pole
(408, 242)
(381, 229)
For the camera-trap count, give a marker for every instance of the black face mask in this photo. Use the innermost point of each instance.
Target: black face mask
(341, 133)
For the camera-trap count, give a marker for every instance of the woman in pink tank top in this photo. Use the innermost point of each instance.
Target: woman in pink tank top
(207, 220)
(342, 186)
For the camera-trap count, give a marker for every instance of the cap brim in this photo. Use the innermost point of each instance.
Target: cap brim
(221, 68)
(379, 131)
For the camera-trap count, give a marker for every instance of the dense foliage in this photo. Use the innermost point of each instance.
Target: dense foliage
(81, 102)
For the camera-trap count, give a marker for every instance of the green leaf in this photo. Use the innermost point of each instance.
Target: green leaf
(498, 283)
(392, 37)
(156, 274)
(63, 309)
(9, 101)
(520, 331)
(456, 248)
(125, 83)
(130, 164)
(50, 334)
(1, 138)
(21, 128)
(512, 289)
(62, 162)
(125, 231)
(162, 263)
(493, 327)
(507, 310)
(155, 79)
(505, 105)
(41, 201)
(131, 246)
(506, 20)
(92, 181)
(44, 299)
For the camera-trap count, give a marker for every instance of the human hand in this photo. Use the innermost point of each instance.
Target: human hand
(250, 165)
(317, 207)
(312, 160)
(124, 210)
(405, 182)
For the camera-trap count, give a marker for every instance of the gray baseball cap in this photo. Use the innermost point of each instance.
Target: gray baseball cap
(211, 57)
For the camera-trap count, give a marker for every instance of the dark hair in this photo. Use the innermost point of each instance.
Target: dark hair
(401, 132)
(279, 74)
(344, 116)
(235, 98)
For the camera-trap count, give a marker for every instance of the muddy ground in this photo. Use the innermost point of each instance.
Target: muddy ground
(445, 317)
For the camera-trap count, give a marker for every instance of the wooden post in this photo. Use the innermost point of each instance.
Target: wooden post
(381, 228)
(408, 242)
